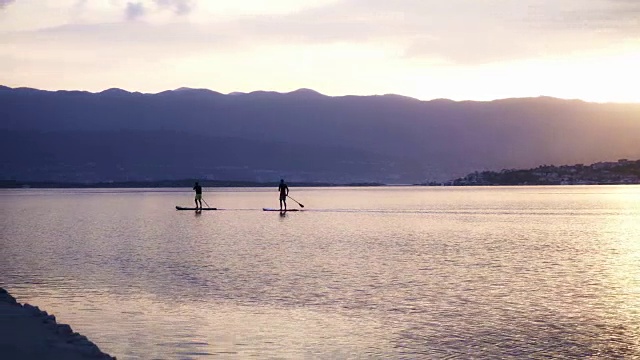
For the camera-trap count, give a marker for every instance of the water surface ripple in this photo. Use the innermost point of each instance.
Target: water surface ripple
(390, 272)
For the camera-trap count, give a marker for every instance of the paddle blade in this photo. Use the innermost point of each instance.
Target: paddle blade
(295, 201)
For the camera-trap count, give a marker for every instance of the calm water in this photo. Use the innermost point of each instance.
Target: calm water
(364, 273)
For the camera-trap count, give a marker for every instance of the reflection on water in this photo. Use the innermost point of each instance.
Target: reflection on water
(371, 272)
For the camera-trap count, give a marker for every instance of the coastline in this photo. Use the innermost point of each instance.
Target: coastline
(15, 184)
(26, 332)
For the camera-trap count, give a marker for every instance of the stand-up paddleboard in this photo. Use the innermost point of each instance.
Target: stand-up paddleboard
(192, 208)
(270, 209)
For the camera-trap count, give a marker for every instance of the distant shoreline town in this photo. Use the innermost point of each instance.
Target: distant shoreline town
(602, 173)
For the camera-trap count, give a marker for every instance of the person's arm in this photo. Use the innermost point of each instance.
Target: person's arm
(287, 191)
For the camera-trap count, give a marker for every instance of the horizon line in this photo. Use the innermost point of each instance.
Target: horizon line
(310, 92)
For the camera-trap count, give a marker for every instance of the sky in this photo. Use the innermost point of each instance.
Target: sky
(426, 49)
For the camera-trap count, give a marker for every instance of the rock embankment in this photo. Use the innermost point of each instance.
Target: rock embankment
(26, 332)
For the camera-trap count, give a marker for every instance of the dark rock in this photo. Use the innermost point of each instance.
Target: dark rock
(7, 298)
(64, 329)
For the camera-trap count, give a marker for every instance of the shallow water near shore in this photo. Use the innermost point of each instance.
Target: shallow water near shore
(388, 272)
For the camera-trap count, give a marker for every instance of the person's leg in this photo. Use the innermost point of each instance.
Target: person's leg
(280, 203)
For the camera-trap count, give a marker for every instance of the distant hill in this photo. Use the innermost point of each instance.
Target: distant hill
(127, 155)
(302, 135)
(622, 171)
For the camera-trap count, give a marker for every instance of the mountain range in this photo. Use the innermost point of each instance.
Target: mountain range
(115, 135)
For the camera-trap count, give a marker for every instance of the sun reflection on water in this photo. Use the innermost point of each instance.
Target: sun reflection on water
(395, 273)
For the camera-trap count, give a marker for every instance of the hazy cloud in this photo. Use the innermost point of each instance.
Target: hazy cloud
(78, 9)
(80, 4)
(138, 39)
(454, 31)
(179, 7)
(134, 11)
(458, 31)
(449, 32)
(594, 15)
(137, 10)
(5, 3)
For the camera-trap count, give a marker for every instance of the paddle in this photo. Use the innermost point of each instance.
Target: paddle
(205, 201)
(295, 201)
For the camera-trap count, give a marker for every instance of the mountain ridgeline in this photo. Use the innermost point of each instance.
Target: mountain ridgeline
(116, 135)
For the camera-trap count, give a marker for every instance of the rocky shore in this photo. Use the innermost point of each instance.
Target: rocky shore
(26, 332)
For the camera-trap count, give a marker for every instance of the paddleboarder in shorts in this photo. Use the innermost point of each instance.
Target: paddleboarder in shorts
(198, 190)
(284, 191)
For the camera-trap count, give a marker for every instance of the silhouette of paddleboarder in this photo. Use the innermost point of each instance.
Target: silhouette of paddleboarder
(284, 192)
(198, 199)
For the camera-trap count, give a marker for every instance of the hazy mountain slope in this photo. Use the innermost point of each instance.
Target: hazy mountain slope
(137, 154)
(447, 139)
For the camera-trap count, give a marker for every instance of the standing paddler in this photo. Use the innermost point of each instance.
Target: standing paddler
(198, 189)
(284, 192)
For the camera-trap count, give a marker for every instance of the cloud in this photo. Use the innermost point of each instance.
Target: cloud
(134, 11)
(179, 7)
(137, 10)
(138, 39)
(465, 32)
(5, 3)
(457, 31)
(80, 4)
(619, 16)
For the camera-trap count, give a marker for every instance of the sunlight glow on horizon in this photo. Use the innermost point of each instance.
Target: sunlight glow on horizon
(324, 45)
